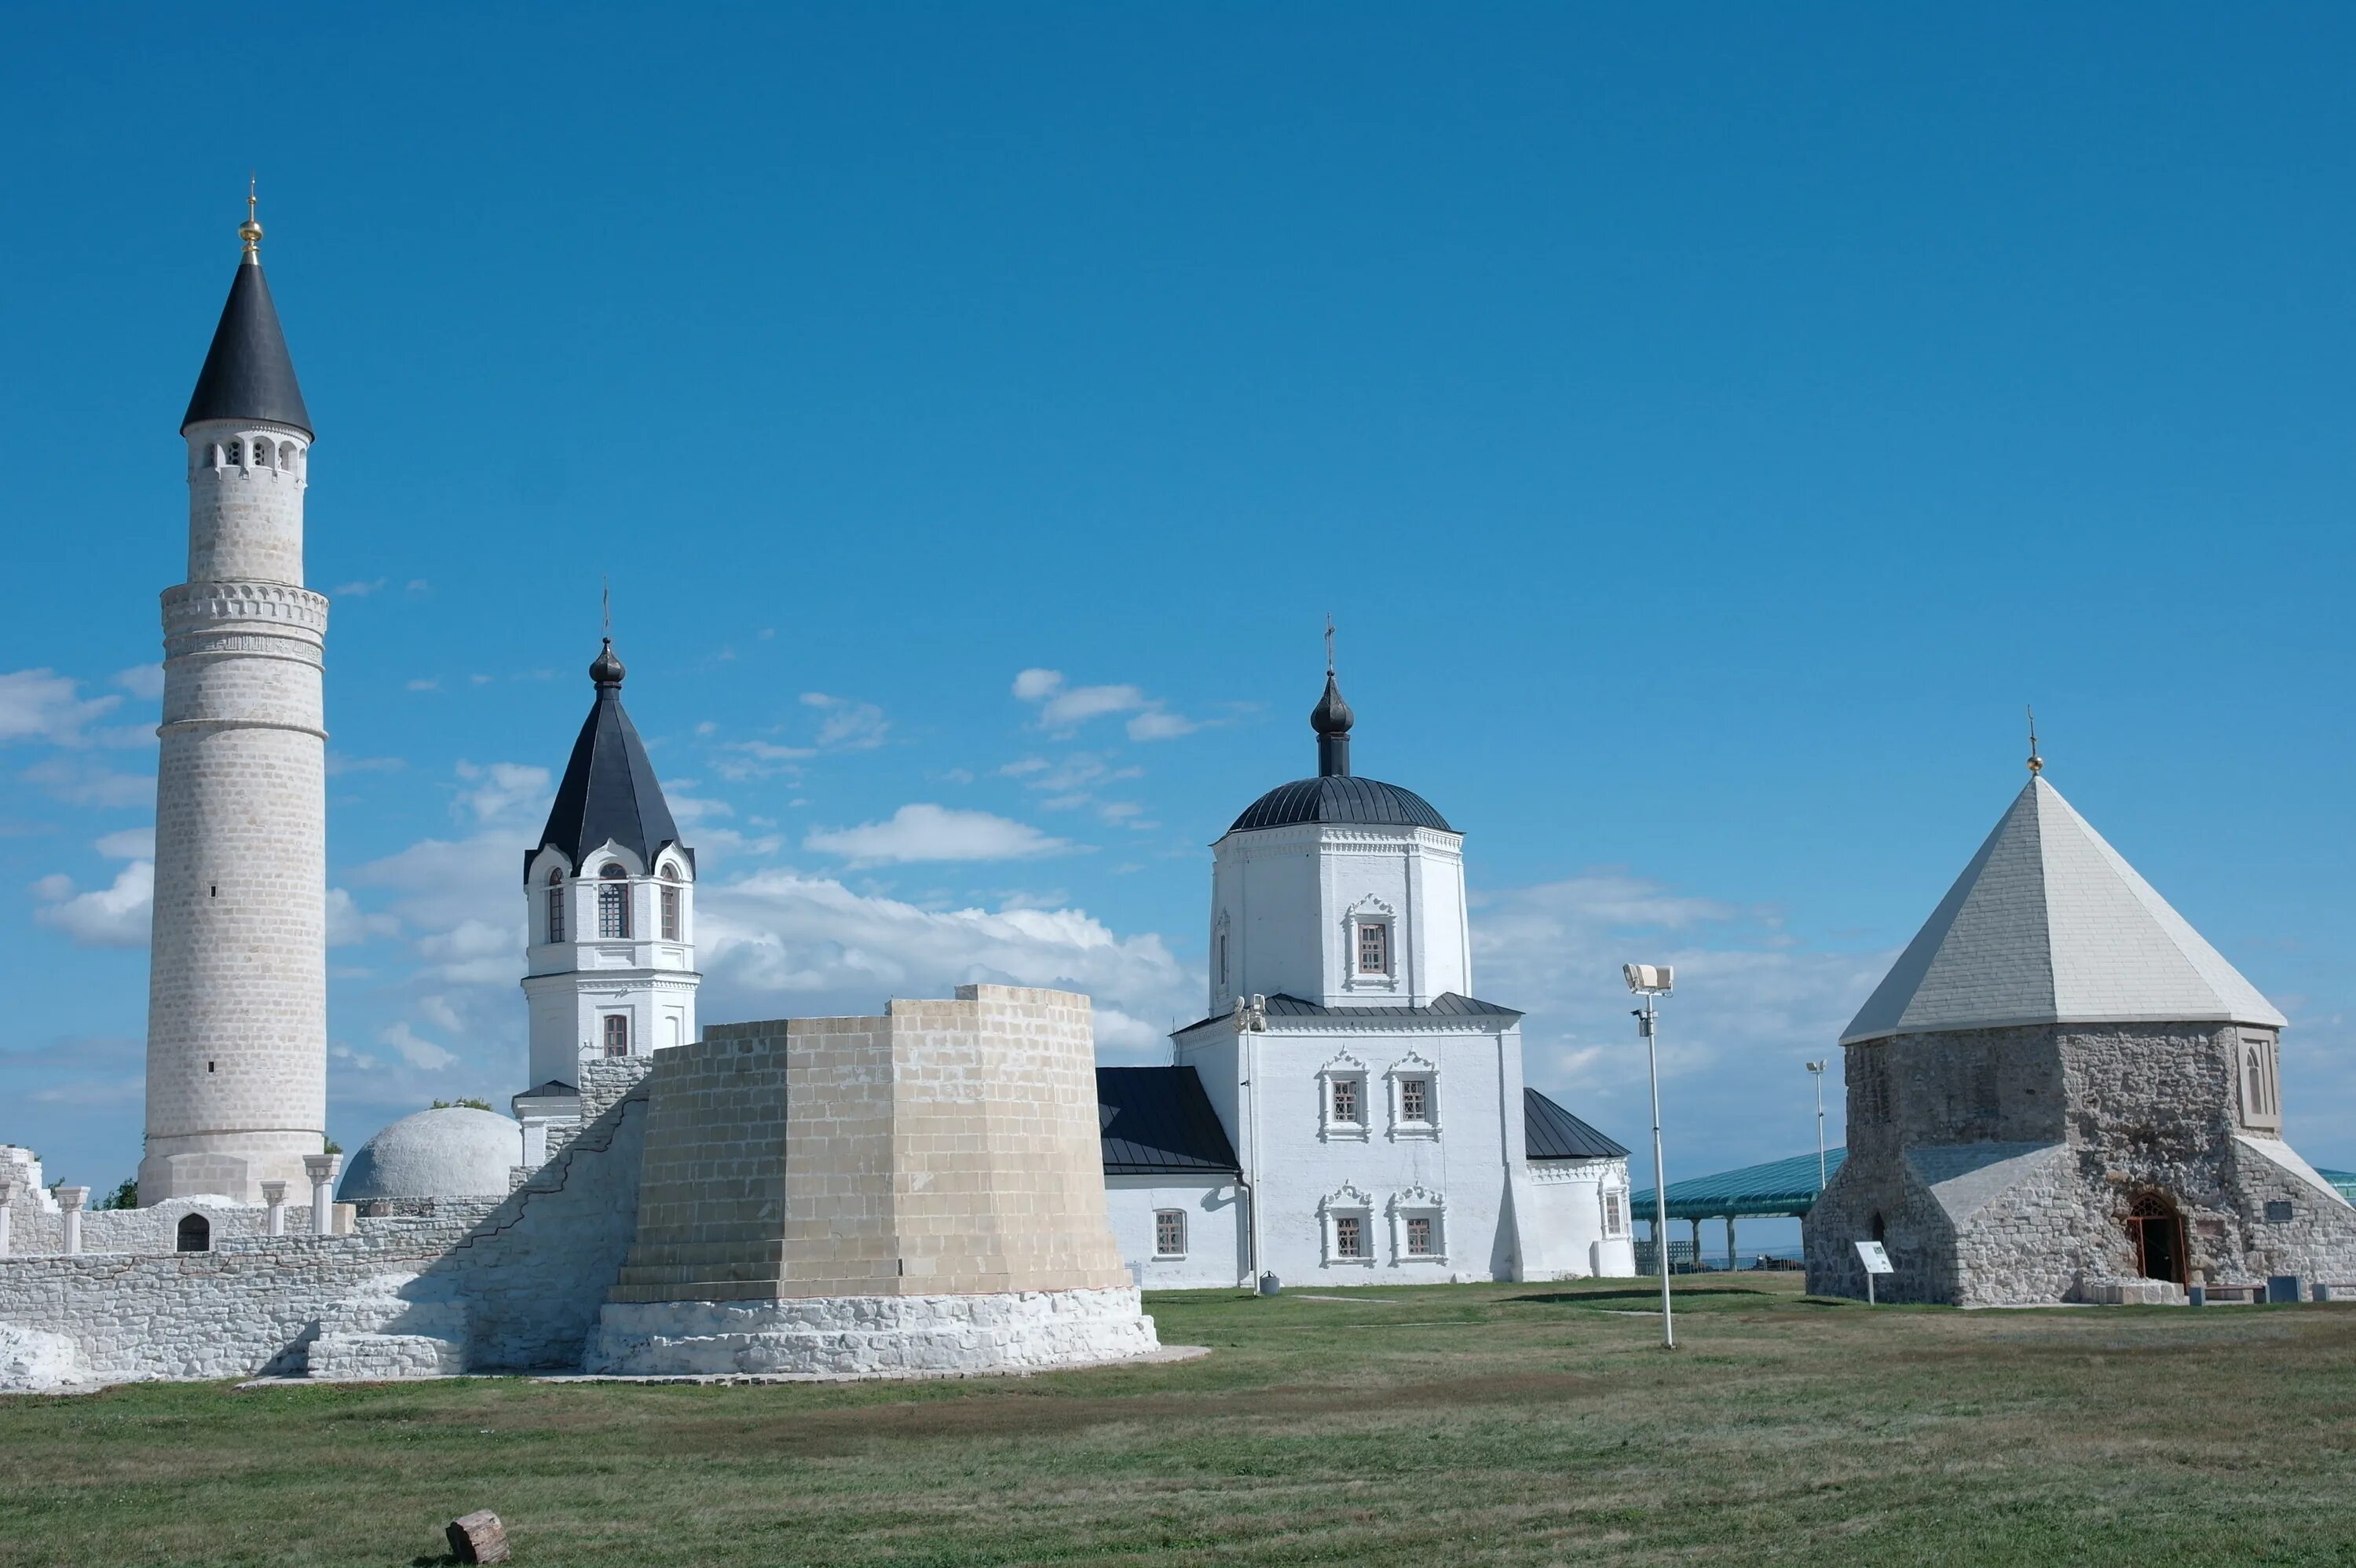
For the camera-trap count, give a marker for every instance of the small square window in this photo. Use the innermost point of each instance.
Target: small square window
(1170, 1232)
(1349, 1237)
(1374, 947)
(1418, 1236)
(1415, 1099)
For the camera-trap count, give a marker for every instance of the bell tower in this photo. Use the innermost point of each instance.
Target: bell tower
(237, 1003)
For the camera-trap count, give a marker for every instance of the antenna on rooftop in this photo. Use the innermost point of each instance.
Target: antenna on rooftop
(2036, 762)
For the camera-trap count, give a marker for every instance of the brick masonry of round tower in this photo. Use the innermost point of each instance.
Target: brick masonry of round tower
(237, 987)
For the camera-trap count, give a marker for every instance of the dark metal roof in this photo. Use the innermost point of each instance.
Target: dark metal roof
(554, 1089)
(1447, 1004)
(1552, 1133)
(1157, 1121)
(1340, 797)
(248, 374)
(609, 791)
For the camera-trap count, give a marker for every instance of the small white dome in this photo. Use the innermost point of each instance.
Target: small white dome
(455, 1152)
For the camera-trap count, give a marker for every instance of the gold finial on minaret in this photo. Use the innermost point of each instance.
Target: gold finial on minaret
(2036, 762)
(251, 229)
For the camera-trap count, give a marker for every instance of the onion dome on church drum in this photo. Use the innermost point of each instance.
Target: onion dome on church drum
(1336, 794)
(610, 794)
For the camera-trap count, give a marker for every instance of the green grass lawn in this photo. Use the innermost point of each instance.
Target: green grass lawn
(1475, 1423)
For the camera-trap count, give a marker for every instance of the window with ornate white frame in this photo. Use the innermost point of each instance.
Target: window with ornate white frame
(1418, 1227)
(1347, 1219)
(1615, 1212)
(1370, 956)
(1170, 1232)
(2260, 1071)
(1342, 1112)
(1413, 1087)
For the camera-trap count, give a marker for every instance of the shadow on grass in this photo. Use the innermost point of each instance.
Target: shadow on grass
(1580, 1297)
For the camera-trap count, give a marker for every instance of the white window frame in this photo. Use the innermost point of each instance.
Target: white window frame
(1347, 1202)
(1419, 1203)
(1369, 911)
(615, 880)
(1615, 1212)
(2257, 1068)
(1160, 1254)
(1413, 1065)
(1342, 1068)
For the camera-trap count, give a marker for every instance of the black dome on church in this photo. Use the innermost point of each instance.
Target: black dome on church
(1336, 794)
(1340, 798)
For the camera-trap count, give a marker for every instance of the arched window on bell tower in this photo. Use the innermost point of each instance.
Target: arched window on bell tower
(614, 902)
(556, 903)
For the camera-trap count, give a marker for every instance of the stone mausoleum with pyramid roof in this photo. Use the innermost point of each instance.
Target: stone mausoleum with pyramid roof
(2062, 1092)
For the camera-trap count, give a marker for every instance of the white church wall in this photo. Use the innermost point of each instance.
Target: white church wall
(1214, 1242)
(1563, 1233)
(1309, 1170)
(1286, 899)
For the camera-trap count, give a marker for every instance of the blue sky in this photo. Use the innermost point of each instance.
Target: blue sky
(1708, 428)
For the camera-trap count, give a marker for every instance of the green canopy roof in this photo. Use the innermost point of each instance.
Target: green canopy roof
(1787, 1187)
(2343, 1179)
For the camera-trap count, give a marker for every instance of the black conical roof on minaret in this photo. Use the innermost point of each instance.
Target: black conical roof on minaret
(248, 374)
(609, 792)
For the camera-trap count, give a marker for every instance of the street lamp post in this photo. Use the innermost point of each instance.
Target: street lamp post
(1652, 982)
(1816, 1070)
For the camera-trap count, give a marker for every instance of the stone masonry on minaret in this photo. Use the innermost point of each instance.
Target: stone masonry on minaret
(237, 991)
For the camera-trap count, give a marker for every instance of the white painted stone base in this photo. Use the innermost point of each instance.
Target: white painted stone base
(395, 1326)
(2135, 1292)
(35, 1362)
(913, 1334)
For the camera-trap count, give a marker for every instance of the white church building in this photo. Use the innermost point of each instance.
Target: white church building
(1348, 1112)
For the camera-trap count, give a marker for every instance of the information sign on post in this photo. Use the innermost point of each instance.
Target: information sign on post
(1875, 1259)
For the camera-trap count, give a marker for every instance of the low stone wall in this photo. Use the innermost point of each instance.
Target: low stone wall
(821, 1335)
(154, 1230)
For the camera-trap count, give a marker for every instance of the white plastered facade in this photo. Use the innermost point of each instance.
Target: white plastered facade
(573, 985)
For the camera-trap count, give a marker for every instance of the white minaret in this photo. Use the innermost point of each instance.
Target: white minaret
(236, 993)
(609, 893)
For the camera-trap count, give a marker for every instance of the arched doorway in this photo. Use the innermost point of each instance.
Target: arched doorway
(196, 1233)
(2158, 1232)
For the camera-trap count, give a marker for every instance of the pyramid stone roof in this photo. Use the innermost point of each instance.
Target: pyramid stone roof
(2047, 924)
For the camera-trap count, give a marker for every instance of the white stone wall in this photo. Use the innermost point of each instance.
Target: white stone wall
(1216, 1242)
(1562, 1232)
(818, 1336)
(237, 987)
(1286, 898)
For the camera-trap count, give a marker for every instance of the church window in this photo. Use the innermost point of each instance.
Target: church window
(1170, 1232)
(1415, 1099)
(2261, 1082)
(1418, 1236)
(286, 455)
(1223, 960)
(196, 1234)
(1346, 1093)
(671, 912)
(556, 904)
(1349, 1235)
(618, 1034)
(614, 903)
(1615, 1212)
(261, 454)
(1374, 947)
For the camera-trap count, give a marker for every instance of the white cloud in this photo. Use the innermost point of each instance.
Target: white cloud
(80, 781)
(848, 726)
(1159, 724)
(1065, 707)
(461, 903)
(115, 916)
(502, 789)
(130, 844)
(743, 760)
(42, 705)
(779, 934)
(928, 832)
(415, 1050)
(359, 590)
(145, 681)
(348, 925)
(421, 683)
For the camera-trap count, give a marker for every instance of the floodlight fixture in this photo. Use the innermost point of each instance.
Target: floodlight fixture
(1650, 979)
